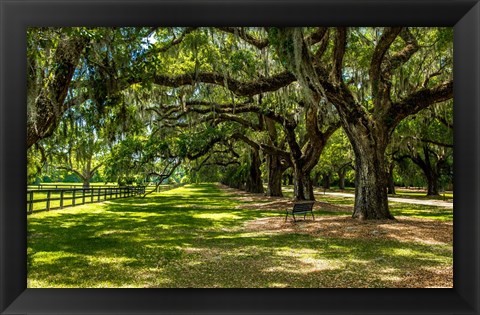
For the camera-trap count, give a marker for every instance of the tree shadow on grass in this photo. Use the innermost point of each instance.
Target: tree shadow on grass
(168, 240)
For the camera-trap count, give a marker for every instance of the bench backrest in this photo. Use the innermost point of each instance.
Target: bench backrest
(303, 206)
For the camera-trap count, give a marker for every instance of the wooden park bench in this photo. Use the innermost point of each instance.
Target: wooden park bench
(301, 207)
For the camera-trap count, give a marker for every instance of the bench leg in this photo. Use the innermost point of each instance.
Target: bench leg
(313, 216)
(286, 217)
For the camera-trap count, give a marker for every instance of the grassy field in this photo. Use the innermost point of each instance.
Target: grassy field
(206, 235)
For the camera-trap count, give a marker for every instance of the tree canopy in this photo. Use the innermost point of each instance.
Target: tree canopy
(245, 106)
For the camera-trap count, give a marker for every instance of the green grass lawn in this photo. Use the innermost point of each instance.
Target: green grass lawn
(198, 236)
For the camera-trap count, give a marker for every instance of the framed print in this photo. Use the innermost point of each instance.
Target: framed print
(17, 17)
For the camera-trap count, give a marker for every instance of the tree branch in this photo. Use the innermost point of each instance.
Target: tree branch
(401, 57)
(205, 149)
(442, 144)
(418, 101)
(240, 32)
(172, 43)
(69, 169)
(339, 52)
(322, 46)
(378, 56)
(240, 88)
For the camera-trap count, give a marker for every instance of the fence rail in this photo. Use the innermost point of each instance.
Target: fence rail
(66, 186)
(51, 199)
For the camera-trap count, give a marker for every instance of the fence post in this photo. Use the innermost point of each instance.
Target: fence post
(99, 191)
(48, 200)
(91, 195)
(61, 199)
(83, 196)
(73, 197)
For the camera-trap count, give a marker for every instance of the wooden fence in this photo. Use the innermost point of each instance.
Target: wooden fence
(65, 186)
(50, 199)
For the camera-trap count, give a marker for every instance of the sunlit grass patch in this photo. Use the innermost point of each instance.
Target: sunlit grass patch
(421, 211)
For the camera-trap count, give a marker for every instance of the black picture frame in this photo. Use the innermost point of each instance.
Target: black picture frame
(16, 16)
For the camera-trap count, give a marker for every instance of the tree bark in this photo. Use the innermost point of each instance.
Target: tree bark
(274, 176)
(298, 178)
(274, 162)
(430, 173)
(432, 179)
(391, 183)
(341, 178)
(254, 181)
(369, 144)
(308, 187)
(302, 183)
(326, 181)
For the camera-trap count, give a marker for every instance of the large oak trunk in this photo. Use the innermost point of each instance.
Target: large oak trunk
(432, 179)
(308, 187)
(430, 173)
(371, 200)
(274, 188)
(254, 181)
(302, 185)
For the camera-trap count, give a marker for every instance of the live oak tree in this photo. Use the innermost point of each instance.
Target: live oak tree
(77, 145)
(369, 117)
(426, 139)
